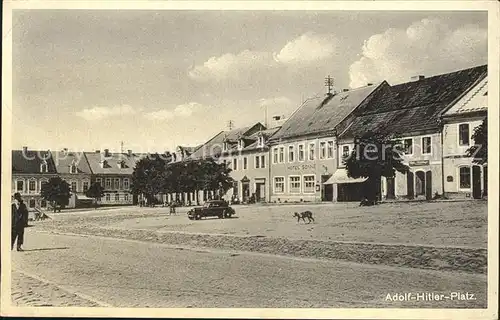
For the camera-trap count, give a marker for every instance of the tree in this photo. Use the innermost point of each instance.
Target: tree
(149, 176)
(96, 191)
(479, 151)
(374, 156)
(56, 191)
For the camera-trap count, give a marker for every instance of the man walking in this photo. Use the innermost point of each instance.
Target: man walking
(19, 221)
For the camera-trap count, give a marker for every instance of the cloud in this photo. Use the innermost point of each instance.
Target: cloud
(307, 48)
(231, 66)
(182, 110)
(428, 46)
(99, 113)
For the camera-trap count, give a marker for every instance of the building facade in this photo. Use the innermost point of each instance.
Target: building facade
(462, 177)
(304, 150)
(75, 170)
(114, 172)
(411, 113)
(30, 169)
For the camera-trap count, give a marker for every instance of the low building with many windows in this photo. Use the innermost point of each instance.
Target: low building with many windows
(462, 177)
(304, 149)
(114, 172)
(410, 112)
(75, 170)
(30, 169)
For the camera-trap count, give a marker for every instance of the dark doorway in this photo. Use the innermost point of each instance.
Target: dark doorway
(428, 185)
(327, 194)
(391, 188)
(420, 183)
(350, 191)
(245, 188)
(476, 182)
(260, 191)
(485, 181)
(409, 185)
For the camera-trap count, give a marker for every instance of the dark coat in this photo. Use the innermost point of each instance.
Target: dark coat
(19, 215)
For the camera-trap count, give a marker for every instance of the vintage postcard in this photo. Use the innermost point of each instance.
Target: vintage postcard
(236, 159)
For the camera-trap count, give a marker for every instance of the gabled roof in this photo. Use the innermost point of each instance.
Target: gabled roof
(30, 161)
(319, 115)
(63, 161)
(474, 100)
(254, 137)
(112, 163)
(213, 147)
(413, 107)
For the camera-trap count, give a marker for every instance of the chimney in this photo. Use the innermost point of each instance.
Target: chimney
(276, 118)
(369, 84)
(345, 90)
(417, 78)
(98, 151)
(106, 152)
(25, 150)
(129, 152)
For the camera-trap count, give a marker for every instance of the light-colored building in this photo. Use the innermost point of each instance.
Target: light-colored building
(31, 168)
(304, 150)
(75, 170)
(462, 177)
(410, 112)
(114, 172)
(232, 147)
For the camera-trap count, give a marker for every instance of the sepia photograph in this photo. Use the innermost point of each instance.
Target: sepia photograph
(255, 160)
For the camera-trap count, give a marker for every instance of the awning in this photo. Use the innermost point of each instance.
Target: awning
(82, 197)
(340, 176)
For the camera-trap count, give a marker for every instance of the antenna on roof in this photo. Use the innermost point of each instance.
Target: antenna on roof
(121, 146)
(230, 124)
(329, 84)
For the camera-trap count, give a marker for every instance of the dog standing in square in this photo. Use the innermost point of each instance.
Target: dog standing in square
(303, 215)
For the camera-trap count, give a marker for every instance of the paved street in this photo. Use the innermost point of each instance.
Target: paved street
(123, 273)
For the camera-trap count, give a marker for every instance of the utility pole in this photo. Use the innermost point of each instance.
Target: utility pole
(230, 124)
(329, 84)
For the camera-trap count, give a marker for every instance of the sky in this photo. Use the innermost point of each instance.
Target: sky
(90, 79)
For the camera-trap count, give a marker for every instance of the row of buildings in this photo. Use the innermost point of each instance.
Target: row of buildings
(300, 159)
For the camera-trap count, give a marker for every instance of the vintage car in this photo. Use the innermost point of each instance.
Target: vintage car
(212, 208)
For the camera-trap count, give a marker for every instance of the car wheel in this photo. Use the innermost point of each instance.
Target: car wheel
(227, 214)
(198, 216)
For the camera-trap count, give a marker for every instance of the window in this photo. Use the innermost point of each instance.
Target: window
(32, 185)
(345, 151)
(235, 164)
(32, 203)
(43, 167)
(279, 184)
(322, 150)
(117, 183)
(43, 203)
(73, 186)
(426, 145)
(330, 150)
(260, 141)
(275, 155)
(224, 146)
(125, 197)
(125, 184)
(291, 154)
(282, 154)
(72, 169)
(241, 144)
(20, 185)
(85, 186)
(301, 152)
(99, 181)
(117, 197)
(262, 161)
(108, 183)
(245, 163)
(408, 146)
(257, 162)
(309, 184)
(465, 178)
(108, 197)
(463, 134)
(311, 151)
(294, 184)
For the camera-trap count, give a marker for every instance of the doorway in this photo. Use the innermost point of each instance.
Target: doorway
(260, 191)
(419, 183)
(391, 188)
(410, 185)
(476, 182)
(327, 193)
